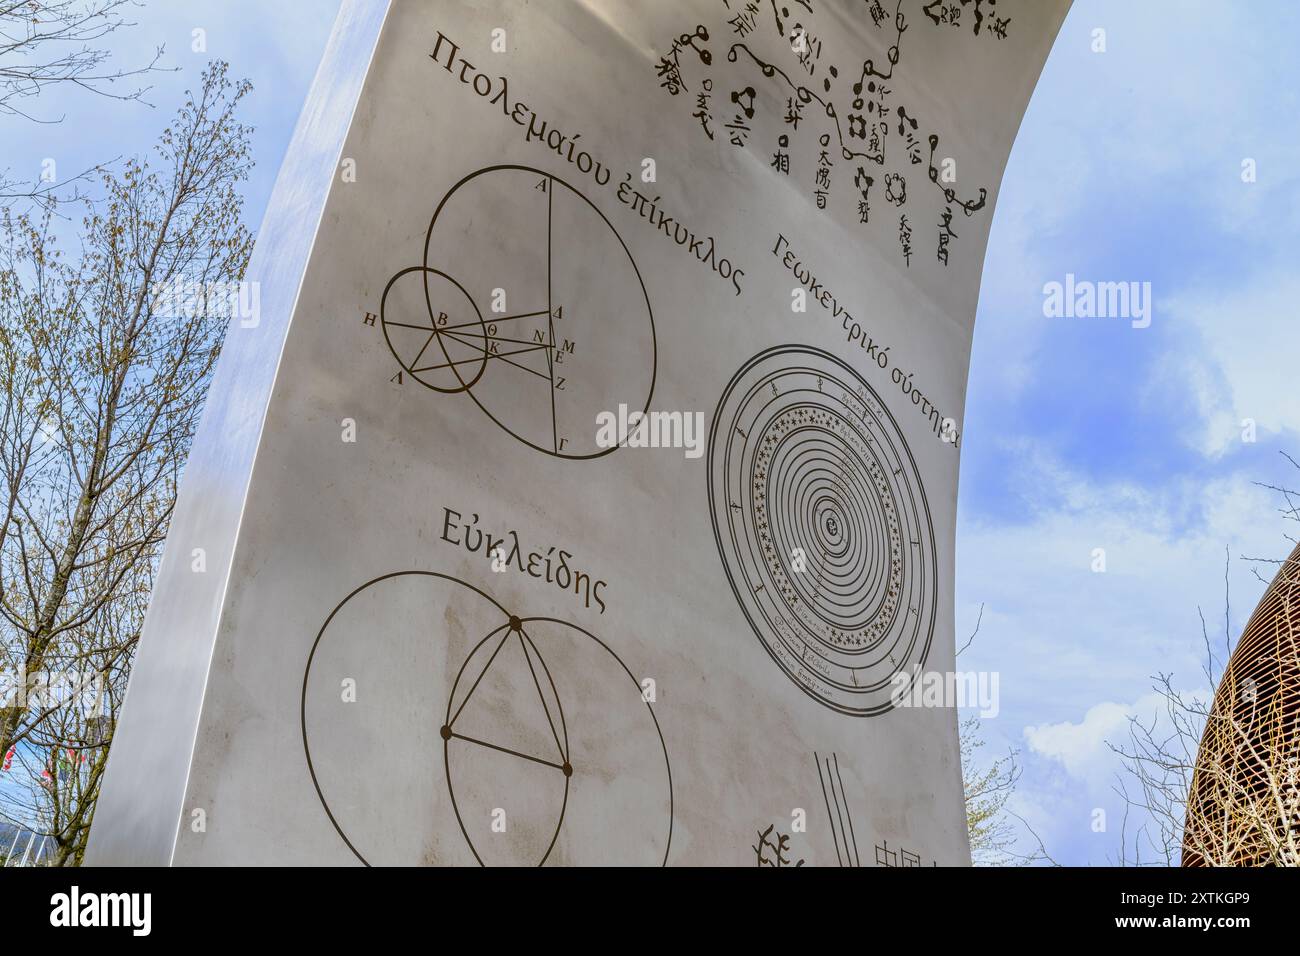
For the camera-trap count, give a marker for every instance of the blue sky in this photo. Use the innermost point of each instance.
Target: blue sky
(1088, 433)
(275, 45)
(1079, 433)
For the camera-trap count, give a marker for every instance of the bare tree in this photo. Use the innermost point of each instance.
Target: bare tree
(1215, 779)
(1158, 760)
(105, 358)
(60, 43)
(47, 43)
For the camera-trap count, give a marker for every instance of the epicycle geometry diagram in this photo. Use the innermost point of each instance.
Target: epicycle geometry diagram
(528, 301)
(466, 734)
(822, 524)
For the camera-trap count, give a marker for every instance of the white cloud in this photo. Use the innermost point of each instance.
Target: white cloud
(1235, 369)
(1077, 651)
(1083, 747)
(1065, 636)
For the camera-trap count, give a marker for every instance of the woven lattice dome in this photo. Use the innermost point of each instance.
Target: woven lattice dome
(1244, 805)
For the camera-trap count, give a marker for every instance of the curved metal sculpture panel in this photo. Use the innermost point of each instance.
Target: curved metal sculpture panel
(587, 491)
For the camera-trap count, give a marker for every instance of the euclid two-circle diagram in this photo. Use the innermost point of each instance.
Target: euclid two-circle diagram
(823, 527)
(529, 302)
(461, 733)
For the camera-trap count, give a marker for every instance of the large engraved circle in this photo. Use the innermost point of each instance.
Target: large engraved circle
(823, 527)
(528, 302)
(429, 712)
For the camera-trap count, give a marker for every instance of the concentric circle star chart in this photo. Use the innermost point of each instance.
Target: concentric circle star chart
(823, 527)
(459, 733)
(529, 302)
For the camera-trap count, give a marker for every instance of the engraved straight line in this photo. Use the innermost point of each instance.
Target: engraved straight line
(469, 338)
(506, 750)
(480, 358)
(836, 758)
(837, 812)
(523, 368)
(466, 325)
(550, 320)
(431, 337)
(456, 716)
(542, 697)
(827, 798)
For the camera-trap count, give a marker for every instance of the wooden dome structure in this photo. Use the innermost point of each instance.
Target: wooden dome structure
(1243, 808)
